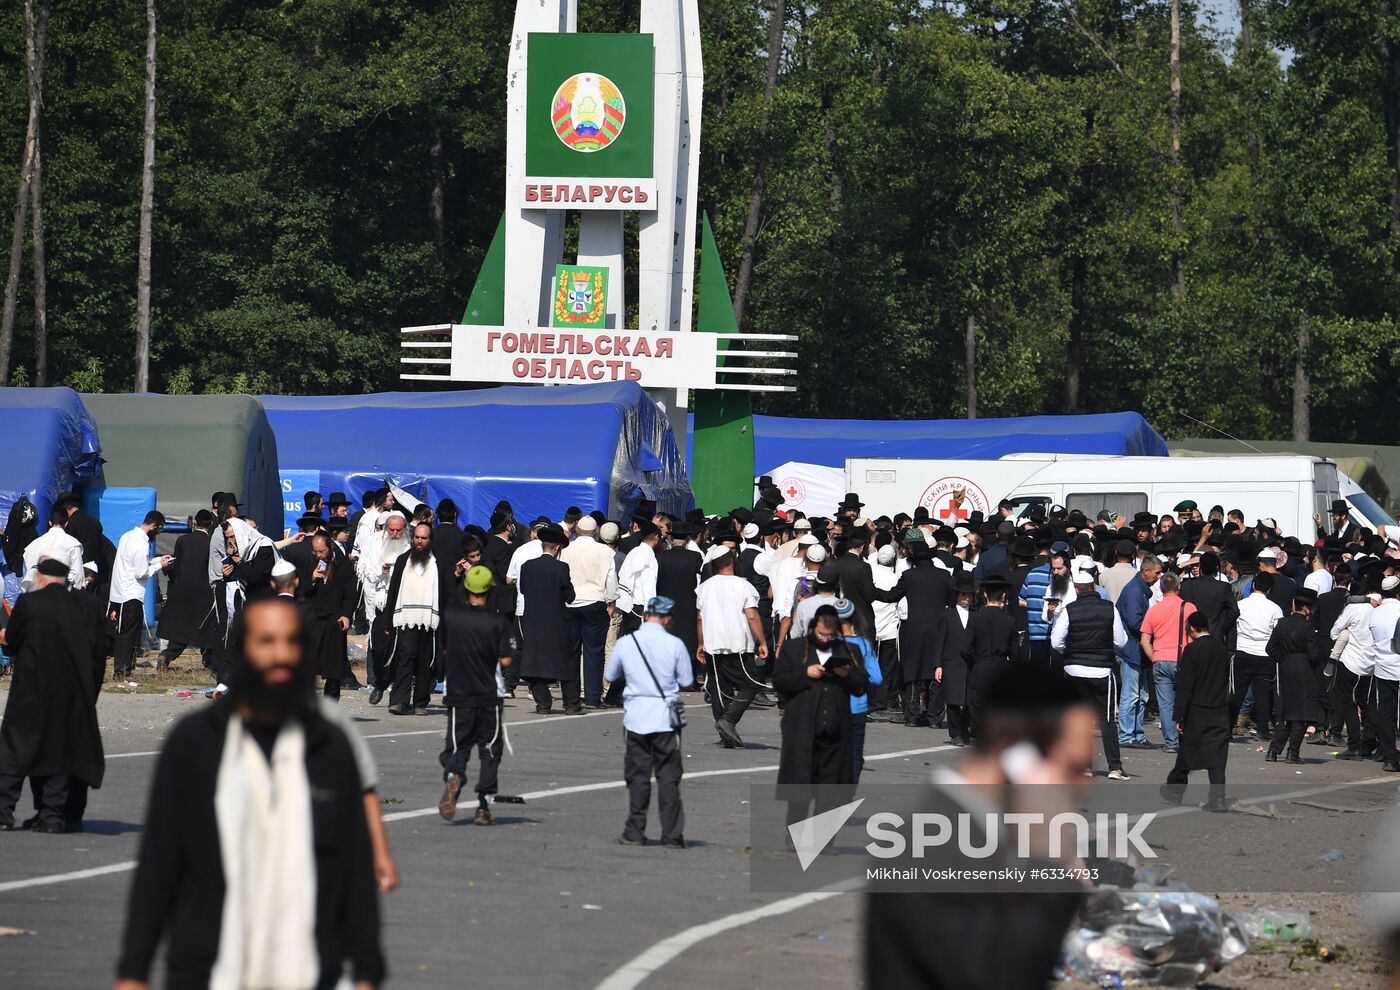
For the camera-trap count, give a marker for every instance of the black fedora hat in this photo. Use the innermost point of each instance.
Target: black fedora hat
(851, 501)
(337, 498)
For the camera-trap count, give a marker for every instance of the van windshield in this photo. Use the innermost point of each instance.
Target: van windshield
(1371, 509)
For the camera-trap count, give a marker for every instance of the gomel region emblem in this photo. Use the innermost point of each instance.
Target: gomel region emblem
(588, 112)
(580, 297)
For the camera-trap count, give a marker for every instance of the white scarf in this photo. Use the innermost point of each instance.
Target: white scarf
(417, 605)
(246, 539)
(267, 936)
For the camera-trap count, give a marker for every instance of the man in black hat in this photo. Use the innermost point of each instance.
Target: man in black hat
(988, 647)
(447, 535)
(1296, 653)
(545, 653)
(188, 598)
(951, 675)
(1342, 527)
(50, 730)
(1202, 714)
(850, 506)
(677, 577)
(929, 592)
(338, 505)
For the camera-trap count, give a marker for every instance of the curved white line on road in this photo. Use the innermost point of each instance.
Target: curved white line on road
(631, 973)
(96, 871)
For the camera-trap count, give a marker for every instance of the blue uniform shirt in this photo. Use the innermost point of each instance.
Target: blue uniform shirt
(644, 711)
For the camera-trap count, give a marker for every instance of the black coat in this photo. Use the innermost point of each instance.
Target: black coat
(952, 663)
(545, 653)
(991, 641)
(495, 557)
(328, 600)
(256, 575)
(1203, 703)
(178, 891)
(858, 588)
(800, 696)
(88, 531)
(50, 724)
(1215, 600)
(1284, 589)
(1294, 649)
(383, 637)
(929, 591)
(677, 577)
(447, 545)
(188, 598)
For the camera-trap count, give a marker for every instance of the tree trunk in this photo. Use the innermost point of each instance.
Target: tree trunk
(970, 355)
(1178, 256)
(35, 58)
(148, 193)
(777, 15)
(1390, 101)
(1302, 384)
(1251, 140)
(26, 174)
(437, 197)
(1074, 352)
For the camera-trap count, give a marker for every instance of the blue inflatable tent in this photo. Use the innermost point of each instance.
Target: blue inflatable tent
(829, 442)
(542, 449)
(51, 446)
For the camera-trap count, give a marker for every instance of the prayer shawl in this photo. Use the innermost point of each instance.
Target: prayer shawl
(267, 935)
(374, 554)
(417, 606)
(248, 540)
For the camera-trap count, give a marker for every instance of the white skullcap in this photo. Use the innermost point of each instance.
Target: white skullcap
(282, 568)
(750, 531)
(962, 542)
(806, 540)
(1390, 583)
(885, 555)
(91, 565)
(586, 524)
(716, 551)
(802, 524)
(1182, 559)
(608, 532)
(816, 554)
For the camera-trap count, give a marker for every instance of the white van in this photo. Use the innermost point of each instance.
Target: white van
(1287, 489)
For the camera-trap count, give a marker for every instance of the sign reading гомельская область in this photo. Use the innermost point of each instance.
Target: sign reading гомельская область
(566, 356)
(589, 122)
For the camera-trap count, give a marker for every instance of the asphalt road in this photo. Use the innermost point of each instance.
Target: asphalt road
(547, 896)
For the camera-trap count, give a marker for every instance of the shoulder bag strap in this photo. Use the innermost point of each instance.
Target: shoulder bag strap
(646, 663)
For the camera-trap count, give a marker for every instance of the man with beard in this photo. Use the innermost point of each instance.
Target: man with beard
(288, 897)
(240, 566)
(329, 592)
(545, 582)
(405, 633)
(49, 732)
(378, 554)
(188, 598)
(127, 605)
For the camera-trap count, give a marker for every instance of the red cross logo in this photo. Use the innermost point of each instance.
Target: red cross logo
(792, 491)
(953, 511)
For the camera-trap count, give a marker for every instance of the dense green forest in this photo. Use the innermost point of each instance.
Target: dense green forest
(897, 181)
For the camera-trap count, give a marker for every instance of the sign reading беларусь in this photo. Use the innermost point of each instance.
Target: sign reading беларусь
(589, 100)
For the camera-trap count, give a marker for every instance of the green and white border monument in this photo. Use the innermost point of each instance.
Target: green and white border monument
(606, 124)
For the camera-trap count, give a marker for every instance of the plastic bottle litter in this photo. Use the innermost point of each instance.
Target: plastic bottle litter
(1276, 926)
(1152, 935)
(1331, 856)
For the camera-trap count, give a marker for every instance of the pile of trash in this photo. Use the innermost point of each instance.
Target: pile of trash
(1153, 934)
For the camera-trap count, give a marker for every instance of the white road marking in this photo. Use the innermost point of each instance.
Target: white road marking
(96, 871)
(639, 968)
(418, 732)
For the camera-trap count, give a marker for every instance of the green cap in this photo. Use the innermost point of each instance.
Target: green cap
(479, 580)
(1186, 505)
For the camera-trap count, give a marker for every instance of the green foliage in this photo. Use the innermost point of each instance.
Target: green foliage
(925, 161)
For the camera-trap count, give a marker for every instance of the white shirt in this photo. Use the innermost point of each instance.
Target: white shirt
(1359, 654)
(1383, 621)
(783, 577)
(721, 601)
(887, 617)
(636, 578)
(55, 543)
(522, 555)
(1319, 581)
(133, 566)
(591, 570)
(1258, 616)
(1059, 632)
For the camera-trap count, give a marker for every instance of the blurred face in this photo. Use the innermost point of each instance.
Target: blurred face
(1073, 751)
(269, 676)
(965, 599)
(230, 542)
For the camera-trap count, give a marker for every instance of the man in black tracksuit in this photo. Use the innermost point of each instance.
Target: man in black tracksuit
(477, 643)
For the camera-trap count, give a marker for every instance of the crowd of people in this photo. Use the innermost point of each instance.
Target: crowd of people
(1207, 625)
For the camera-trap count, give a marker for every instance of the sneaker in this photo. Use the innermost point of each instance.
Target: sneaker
(375, 696)
(631, 840)
(483, 817)
(1118, 775)
(447, 804)
(728, 734)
